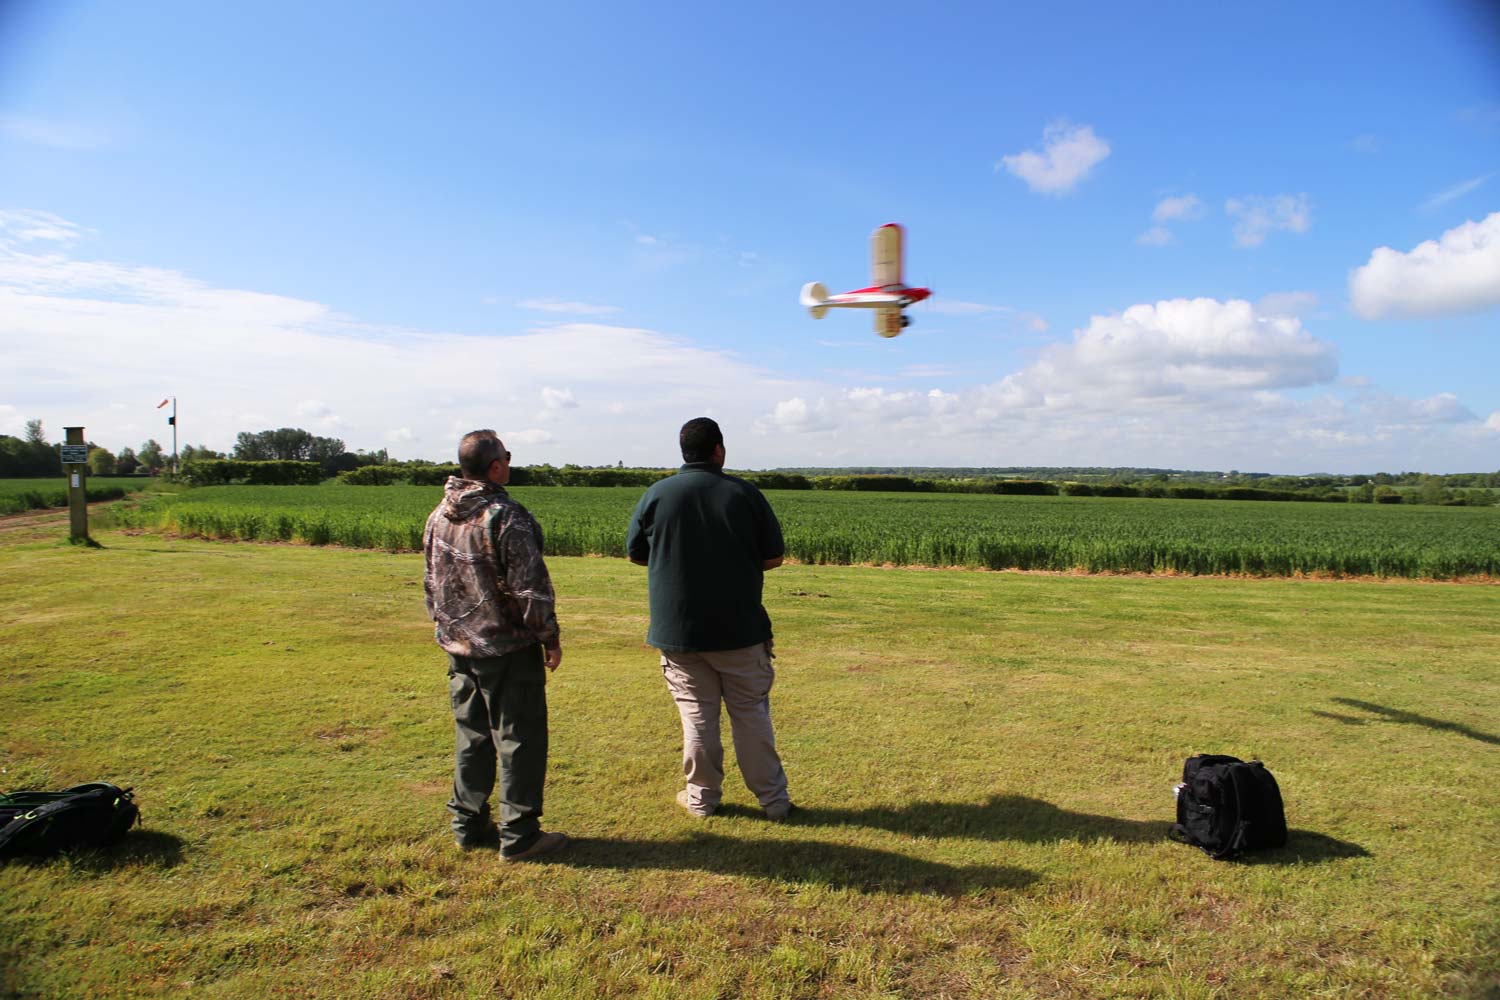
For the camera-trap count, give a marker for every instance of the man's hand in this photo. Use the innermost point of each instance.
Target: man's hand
(771, 564)
(639, 562)
(553, 657)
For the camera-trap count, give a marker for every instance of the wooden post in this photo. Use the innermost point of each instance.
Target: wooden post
(78, 480)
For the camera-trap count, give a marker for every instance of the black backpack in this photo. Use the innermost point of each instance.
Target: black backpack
(1226, 806)
(91, 815)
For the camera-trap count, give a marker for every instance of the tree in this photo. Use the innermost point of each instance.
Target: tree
(1432, 491)
(34, 433)
(126, 463)
(290, 444)
(101, 462)
(150, 455)
(191, 453)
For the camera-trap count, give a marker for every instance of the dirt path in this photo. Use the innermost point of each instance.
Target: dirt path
(41, 523)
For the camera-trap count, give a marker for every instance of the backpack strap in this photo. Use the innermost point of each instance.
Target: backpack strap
(1246, 799)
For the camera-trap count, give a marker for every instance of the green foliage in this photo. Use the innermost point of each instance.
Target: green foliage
(376, 475)
(32, 456)
(1025, 488)
(101, 462)
(777, 480)
(17, 495)
(983, 531)
(219, 471)
(150, 456)
(293, 444)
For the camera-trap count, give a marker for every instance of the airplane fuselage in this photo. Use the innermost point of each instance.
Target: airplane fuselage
(879, 297)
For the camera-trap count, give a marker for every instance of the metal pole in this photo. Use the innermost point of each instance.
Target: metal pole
(78, 478)
(174, 435)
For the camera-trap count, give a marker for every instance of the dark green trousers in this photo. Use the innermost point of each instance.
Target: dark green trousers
(499, 713)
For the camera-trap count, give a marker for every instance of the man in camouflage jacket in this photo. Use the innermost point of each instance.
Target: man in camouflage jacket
(490, 595)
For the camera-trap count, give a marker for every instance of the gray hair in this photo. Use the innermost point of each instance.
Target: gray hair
(477, 451)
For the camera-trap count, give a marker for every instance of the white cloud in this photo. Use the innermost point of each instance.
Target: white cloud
(558, 399)
(256, 360)
(647, 240)
(1287, 304)
(18, 227)
(563, 306)
(1259, 216)
(958, 307)
(1456, 192)
(1187, 383)
(796, 416)
(1068, 153)
(11, 421)
(1181, 207)
(1366, 142)
(1459, 272)
(51, 133)
(319, 413)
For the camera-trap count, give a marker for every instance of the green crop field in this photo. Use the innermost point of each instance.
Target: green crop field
(1093, 534)
(17, 495)
(983, 763)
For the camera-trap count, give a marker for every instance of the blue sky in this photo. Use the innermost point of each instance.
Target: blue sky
(1154, 233)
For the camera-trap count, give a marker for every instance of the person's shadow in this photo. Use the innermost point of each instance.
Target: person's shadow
(1383, 713)
(1000, 817)
(1036, 821)
(835, 865)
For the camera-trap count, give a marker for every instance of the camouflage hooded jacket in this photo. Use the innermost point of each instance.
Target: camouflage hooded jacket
(488, 589)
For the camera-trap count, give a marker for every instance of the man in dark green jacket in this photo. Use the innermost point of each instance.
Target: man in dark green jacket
(708, 539)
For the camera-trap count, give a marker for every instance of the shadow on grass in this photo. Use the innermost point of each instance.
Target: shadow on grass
(838, 866)
(139, 849)
(1304, 847)
(1000, 817)
(1408, 718)
(1036, 821)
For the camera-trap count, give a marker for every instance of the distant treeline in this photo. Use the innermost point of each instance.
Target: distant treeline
(1431, 492)
(1136, 476)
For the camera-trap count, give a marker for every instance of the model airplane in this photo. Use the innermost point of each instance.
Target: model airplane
(888, 294)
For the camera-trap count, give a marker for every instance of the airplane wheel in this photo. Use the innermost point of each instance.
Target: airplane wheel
(905, 321)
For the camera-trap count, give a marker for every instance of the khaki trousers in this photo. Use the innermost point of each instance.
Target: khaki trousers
(742, 679)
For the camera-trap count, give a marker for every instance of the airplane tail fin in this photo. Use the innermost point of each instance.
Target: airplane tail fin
(815, 298)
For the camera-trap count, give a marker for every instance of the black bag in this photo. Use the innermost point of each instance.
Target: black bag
(1226, 806)
(91, 815)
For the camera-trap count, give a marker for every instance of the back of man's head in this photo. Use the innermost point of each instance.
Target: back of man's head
(477, 452)
(698, 438)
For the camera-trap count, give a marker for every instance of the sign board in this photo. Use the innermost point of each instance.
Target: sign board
(75, 454)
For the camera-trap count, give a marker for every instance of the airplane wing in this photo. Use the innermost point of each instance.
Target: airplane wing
(888, 322)
(885, 255)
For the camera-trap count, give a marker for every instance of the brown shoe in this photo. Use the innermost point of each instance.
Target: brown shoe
(685, 799)
(547, 843)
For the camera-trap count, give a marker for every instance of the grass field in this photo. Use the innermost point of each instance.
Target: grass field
(18, 495)
(993, 532)
(984, 762)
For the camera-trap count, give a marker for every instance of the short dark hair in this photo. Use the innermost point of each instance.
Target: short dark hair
(698, 438)
(477, 452)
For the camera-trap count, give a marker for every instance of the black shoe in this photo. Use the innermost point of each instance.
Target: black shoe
(547, 843)
(487, 838)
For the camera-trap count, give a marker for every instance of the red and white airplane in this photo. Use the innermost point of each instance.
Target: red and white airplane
(888, 295)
